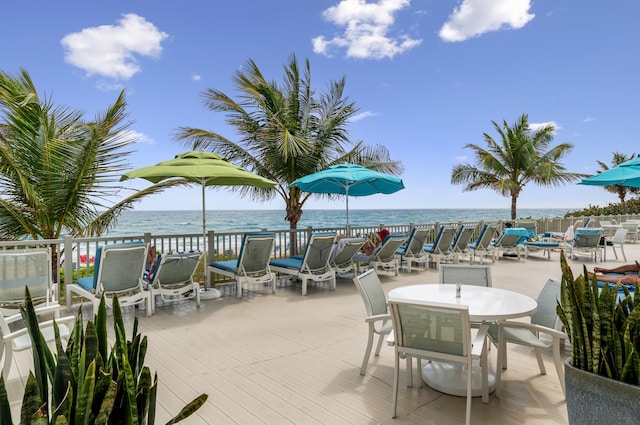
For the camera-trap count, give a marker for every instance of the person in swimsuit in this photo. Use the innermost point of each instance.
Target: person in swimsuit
(629, 274)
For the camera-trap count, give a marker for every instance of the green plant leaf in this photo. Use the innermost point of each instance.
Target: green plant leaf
(108, 401)
(31, 401)
(189, 409)
(85, 397)
(63, 381)
(5, 407)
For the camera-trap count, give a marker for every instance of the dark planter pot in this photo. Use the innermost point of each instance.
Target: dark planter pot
(594, 399)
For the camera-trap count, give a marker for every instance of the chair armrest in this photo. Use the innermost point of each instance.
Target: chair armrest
(46, 324)
(480, 340)
(534, 328)
(51, 308)
(377, 318)
(391, 338)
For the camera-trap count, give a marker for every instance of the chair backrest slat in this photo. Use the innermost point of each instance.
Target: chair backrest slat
(121, 267)
(370, 288)
(478, 275)
(20, 268)
(546, 313)
(256, 252)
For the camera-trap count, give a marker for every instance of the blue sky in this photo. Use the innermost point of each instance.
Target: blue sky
(428, 76)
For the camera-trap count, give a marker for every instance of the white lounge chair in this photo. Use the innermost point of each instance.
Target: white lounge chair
(510, 241)
(440, 249)
(342, 256)
(252, 265)
(460, 245)
(314, 264)
(482, 246)
(385, 257)
(173, 278)
(119, 269)
(587, 242)
(413, 251)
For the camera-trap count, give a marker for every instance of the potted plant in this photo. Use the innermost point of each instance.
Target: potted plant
(602, 376)
(88, 383)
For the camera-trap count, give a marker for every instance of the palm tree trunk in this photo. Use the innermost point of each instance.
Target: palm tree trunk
(514, 201)
(294, 212)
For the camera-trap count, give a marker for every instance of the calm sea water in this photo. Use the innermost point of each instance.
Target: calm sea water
(176, 222)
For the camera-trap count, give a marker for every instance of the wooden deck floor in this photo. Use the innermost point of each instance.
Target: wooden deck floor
(285, 358)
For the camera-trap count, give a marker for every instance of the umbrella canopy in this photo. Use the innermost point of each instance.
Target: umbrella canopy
(349, 180)
(625, 174)
(205, 169)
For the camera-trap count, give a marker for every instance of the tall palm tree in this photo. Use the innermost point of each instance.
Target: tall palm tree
(519, 157)
(621, 191)
(59, 172)
(286, 131)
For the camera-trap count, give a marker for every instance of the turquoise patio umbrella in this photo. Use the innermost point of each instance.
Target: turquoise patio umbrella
(625, 174)
(349, 180)
(205, 169)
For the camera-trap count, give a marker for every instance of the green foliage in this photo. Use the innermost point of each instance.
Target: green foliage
(604, 331)
(87, 383)
(520, 156)
(632, 207)
(285, 131)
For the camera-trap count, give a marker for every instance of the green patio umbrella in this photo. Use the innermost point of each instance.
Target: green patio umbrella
(205, 169)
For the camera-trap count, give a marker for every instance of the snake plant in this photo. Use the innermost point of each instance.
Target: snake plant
(88, 383)
(603, 325)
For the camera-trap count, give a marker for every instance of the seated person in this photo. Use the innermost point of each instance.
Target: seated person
(627, 274)
(371, 246)
(152, 260)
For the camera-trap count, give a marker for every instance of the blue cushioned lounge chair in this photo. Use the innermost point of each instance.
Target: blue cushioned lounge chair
(413, 251)
(510, 240)
(482, 246)
(440, 249)
(314, 264)
(119, 269)
(252, 265)
(173, 278)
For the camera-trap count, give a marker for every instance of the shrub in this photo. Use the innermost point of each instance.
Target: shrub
(87, 383)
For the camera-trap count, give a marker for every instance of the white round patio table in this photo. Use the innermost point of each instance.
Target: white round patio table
(485, 304)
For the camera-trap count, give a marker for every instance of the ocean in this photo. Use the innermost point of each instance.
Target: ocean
(133, 223)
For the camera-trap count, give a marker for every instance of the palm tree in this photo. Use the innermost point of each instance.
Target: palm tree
(285, 132)
(621, 191)
(518, 158)
(58, 172)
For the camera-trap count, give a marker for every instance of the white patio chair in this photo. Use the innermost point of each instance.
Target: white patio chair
(543, 321)
(252, 265)
(617, 240)
(30, 267)
(14, 335)
(632, 231)
(479, 275)
(378, 317)
(440, 333)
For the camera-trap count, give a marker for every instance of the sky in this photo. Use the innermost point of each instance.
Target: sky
(428, 77)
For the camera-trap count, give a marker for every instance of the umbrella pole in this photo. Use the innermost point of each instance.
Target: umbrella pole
(348, 229)
(206, 293)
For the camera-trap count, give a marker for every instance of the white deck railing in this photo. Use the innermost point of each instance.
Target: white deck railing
(73, 255)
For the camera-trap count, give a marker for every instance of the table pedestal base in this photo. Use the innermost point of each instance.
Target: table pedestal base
(452, 379)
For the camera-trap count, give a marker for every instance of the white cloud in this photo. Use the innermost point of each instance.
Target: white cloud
(196, 77)
(366, 30)
(476, 17)
(363, 115)
(539, 125)
(112, 50)
(461, 158)
(589, 119)
(139, 137)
